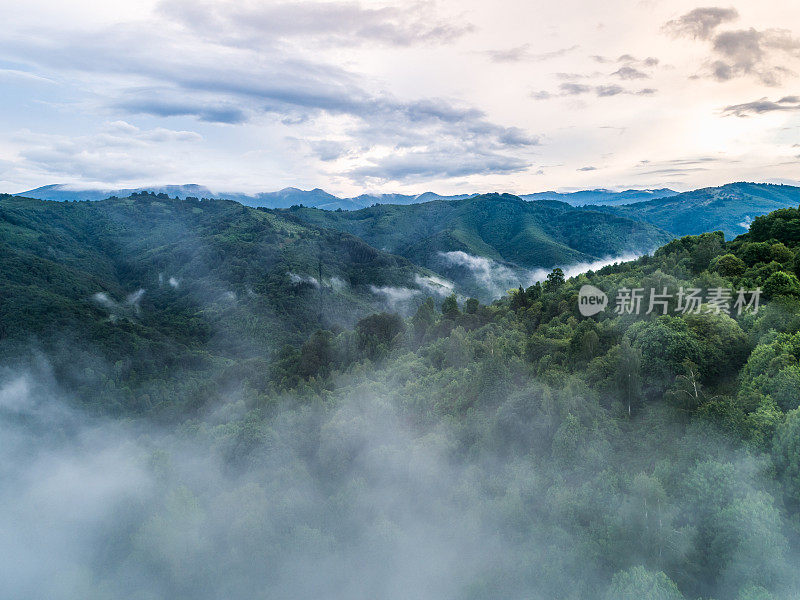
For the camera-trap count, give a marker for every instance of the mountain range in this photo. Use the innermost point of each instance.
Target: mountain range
(729, 208)
(318, 198)
(475, 240)
(284, 198)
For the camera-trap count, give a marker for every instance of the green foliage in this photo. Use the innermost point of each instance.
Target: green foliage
(659, 453)
(730, 265)
(638, 583)
(782, 284)
(500, 227)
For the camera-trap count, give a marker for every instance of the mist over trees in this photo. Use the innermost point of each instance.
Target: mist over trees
(184, 442)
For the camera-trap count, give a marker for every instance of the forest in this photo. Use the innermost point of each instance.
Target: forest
(211, 426)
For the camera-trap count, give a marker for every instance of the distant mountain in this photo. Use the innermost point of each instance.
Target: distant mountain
(293, 196)
(601, 196)
(472, 240)
(62, 192)
(290, 196)
(369, 199)
(729, 208)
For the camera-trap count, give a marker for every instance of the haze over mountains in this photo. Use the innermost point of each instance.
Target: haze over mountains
(251, 374)
(284, 198)
(318, 198)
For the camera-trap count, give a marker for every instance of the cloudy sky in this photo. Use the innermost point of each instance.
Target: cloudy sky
(449, 95)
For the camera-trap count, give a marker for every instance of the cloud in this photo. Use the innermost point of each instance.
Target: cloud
(628, 73)
(757, 107)
(574, 89)
(327, 150)
(523, 54)
(144, 103)
(339, 23)
(434, 285)
(195, 66)
(579, 89)
(335, 283)
(739, 52)
(128, 308)
(701, 22)
(119, 151)
(438, 161)
(396, 297)
(496, 278)
(588, 168)
(751, 52)
(609, 90)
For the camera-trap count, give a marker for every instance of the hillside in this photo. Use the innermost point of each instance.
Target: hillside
(601, 196)
(198, 282)
(729, 208)
(520, 448)
(514, 234)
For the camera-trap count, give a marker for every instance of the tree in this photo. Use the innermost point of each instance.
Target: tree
(450, 307)
(707, 247)
(638, 583)
(554, 280)
(423, 318)
(786, 454)
(472, 306)
(377, 332)
(730, 265)
(782, 284)
(628, 373)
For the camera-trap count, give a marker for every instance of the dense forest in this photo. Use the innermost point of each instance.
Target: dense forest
(301, 444)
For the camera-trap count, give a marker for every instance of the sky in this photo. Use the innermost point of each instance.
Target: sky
(451, 96)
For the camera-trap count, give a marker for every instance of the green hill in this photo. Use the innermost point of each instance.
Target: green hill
(729, 208)
(511, 450)
(504, 228)
(156, 283)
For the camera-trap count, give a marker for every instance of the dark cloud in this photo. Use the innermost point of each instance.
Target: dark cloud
(757, 107)
(523, 54)
(701, 22)
(589, 168)
(161, 108)
(609, 90)
(752, 52)
(739, 52)
(340, 23)
(574, 89)
(628, 73)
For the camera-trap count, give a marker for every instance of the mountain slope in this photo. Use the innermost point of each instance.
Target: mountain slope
(729, 208)
(600, 196)
(196, 281)
(502, 228)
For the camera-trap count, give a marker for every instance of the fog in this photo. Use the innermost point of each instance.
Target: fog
(492, 279)
(353, 497)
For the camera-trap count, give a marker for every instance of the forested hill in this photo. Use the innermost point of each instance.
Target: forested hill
(499, 227)
(729, 208)
(156, 283)
(511, 450)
